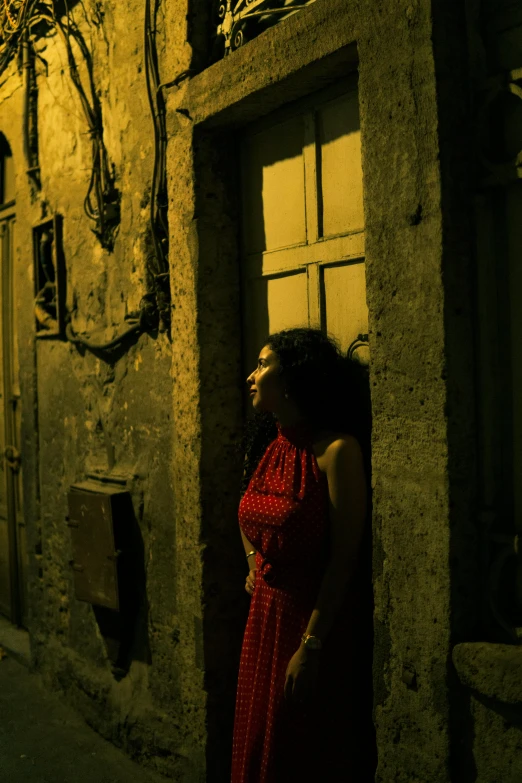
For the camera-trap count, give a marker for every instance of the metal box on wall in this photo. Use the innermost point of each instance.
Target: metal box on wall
(97, 520)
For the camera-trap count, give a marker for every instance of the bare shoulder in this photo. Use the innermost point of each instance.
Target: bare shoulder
(336, 448)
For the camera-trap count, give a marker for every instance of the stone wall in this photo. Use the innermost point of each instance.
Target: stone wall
(168, 412)
(95, 413)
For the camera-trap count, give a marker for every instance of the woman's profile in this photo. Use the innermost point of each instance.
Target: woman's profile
(303, 706)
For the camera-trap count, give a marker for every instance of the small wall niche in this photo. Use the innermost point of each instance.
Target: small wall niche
(49, 278)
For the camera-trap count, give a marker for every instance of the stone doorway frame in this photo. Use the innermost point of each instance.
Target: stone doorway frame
(417, 226)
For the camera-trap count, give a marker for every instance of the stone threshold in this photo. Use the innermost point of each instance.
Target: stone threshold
(494, 670)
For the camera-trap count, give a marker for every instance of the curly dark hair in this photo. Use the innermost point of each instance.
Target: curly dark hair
(330, 389)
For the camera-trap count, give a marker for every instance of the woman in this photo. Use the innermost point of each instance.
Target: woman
(304, 700)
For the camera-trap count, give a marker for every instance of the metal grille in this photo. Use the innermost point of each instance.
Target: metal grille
(238, 21)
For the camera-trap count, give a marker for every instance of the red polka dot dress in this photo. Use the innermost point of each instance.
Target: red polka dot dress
(284, 514)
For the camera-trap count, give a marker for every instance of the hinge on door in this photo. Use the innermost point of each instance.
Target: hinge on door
(13, 458)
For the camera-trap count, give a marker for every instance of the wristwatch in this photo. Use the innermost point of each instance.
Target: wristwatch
(311, 642)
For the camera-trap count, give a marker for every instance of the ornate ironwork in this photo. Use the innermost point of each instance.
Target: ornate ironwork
(238, 21)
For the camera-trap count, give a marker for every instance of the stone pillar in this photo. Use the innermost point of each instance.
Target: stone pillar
(414, 118)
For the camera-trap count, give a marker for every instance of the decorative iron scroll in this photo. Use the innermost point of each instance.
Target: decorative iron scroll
(238, 21)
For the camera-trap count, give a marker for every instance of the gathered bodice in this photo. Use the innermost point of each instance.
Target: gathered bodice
(284, 511)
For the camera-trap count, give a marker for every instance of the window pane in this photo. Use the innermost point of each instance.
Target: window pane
(273, 188)
(341, 170)
(287, 302)
(345, 300)
(273, 304)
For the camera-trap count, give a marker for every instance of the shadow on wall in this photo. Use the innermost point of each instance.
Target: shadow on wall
(125, 632)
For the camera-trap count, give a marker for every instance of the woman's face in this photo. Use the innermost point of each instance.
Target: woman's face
(266, 386)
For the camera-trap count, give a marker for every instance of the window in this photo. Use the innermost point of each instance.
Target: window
(303, 221)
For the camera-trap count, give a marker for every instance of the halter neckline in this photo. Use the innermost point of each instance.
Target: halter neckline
(299, 434)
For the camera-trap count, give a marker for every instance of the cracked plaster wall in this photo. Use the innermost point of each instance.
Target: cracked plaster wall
(83, 414)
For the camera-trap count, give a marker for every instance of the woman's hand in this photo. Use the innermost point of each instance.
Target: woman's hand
(251, 581)
(301, 675)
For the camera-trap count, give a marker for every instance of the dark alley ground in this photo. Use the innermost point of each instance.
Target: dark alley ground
(43, 741)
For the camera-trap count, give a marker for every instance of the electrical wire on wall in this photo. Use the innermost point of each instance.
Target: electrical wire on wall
(15, 40)
(17, 18)
(13, 16)
(30, 115)
(158, 261)
(155, 305)
(102, 201)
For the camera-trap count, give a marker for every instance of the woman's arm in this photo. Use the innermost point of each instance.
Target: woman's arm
(250, 553)
(246, 543)
(347, 512)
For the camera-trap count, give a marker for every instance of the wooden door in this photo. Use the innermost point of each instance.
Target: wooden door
(12, 528)
(303, 221)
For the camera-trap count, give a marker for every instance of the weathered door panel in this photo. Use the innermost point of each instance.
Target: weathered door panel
(5, 590)
(274, 189)
(274, 303)
(346, 314)
(13, 547)
(341, 187)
